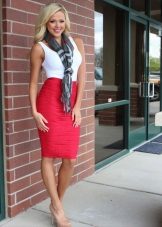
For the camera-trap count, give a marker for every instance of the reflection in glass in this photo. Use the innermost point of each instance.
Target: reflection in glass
(124, 2)
(109, 132)
(138, 5)
(109, 73)
(137, 77)
(154, 72)
(156, 10)
(109, 52)
(98, 49)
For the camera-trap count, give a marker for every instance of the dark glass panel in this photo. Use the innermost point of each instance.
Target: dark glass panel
(137, 78)
(139, 5)
(109, 52)
(156, 7)
(124, 2)
(109, 78)
(109, 132)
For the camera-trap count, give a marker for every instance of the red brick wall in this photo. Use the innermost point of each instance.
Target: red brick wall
(22, 148)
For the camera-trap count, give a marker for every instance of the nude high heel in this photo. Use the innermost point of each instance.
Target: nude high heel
(55, 219)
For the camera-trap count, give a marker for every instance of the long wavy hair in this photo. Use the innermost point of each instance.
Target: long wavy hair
(44, 16)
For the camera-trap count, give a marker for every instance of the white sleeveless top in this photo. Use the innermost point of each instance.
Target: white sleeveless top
(52, 64)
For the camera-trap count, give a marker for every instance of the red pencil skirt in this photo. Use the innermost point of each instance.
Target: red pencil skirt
(62, 139)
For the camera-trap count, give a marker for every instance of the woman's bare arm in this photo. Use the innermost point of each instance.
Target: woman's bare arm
(36, 58)
(76, 114)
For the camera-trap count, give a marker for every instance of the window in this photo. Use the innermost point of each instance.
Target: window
(138, 5)
(156, 6)
(109, 52)
(109, 79)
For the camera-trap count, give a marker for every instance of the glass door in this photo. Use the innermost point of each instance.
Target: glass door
(111, 104)
(154, 79)
(138, 82)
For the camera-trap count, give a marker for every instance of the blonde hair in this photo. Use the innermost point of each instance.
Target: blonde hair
(44, 16)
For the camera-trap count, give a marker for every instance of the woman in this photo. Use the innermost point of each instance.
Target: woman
(56, 108)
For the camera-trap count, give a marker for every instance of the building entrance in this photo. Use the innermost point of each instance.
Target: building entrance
(127, 75)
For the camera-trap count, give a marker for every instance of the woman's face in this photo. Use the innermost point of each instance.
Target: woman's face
(56, 24)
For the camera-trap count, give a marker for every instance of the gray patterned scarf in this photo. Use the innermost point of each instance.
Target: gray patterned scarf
(65, 52)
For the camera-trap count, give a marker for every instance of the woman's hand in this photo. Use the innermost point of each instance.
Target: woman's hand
(40, 122)
(76, 117)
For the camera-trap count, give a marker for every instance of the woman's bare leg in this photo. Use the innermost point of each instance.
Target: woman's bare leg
(64, 176)
(48, 176)
(49, 180)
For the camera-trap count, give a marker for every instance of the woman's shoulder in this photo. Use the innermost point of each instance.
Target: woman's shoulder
(37, 49)
(37, 46)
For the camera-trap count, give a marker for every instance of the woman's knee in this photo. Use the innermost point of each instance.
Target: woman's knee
(69, 163)
(46, 160)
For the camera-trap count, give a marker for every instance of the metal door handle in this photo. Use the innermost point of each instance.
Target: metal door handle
(140, 89)
(142, 86)
(150, 89)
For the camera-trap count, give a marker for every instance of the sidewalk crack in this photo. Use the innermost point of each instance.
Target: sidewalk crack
(125, 188)
(74, 220)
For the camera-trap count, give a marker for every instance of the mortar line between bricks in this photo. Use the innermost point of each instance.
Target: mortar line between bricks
(129, 189)
(37, 209)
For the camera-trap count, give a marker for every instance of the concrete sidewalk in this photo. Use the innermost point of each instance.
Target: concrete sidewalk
(127, 193)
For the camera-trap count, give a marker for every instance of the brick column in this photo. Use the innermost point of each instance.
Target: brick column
(22, 148)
